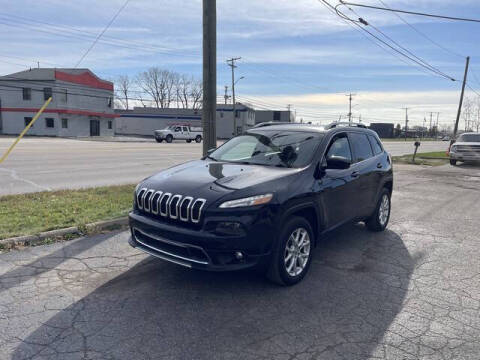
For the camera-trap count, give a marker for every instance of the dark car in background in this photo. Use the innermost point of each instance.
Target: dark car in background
(264, 198)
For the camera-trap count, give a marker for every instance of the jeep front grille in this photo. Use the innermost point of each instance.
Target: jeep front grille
(170, 206)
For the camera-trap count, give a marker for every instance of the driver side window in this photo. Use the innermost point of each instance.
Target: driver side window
(340, 147)
(178, 129)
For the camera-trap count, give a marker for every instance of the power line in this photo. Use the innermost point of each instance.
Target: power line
(423, 34)
(412, 12)
(415, 58)
(102, 32)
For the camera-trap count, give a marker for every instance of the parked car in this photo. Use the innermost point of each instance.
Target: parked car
(264, 198)
(446, 138)
(178, 132)
(465, 148)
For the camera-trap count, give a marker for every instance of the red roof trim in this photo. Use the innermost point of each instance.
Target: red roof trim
(62, 111)
(86, 78)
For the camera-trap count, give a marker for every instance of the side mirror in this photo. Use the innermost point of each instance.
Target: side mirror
(338, 162)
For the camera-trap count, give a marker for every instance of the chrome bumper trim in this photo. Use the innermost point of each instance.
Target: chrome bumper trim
(178, 258)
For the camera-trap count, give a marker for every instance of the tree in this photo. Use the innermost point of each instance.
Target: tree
(123, 85)
(467, 112)
(158, 84)
(398, 130)
(196, 93)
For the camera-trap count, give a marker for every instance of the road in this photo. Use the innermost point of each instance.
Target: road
(39, 164)
(412, 292)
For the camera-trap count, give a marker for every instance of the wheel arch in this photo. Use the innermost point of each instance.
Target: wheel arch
(309, 212)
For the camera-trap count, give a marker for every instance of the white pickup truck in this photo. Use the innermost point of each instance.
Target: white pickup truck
(179, 132)
(466, 148)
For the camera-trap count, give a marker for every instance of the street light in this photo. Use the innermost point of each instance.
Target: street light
(241, 77)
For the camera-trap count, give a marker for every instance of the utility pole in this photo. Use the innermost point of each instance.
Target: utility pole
(406, 122)
(430, 129)
(209, 112)
(436, 128)
(226, 96)
(231, 63)
(423, 127)
(350, 96)
(461, 101)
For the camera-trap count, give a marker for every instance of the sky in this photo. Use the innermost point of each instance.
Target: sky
(292, 52)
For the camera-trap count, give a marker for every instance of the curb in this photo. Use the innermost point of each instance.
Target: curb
(74, 230)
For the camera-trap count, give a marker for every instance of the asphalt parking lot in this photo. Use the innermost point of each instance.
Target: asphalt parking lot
(412, 292)
(39, 164)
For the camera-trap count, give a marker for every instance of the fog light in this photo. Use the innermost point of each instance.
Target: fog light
(238, 255)
(229, 228)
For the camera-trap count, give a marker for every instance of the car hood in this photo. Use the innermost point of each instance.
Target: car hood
(198, 175)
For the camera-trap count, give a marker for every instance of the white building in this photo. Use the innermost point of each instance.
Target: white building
(143, 121)
(82, 103)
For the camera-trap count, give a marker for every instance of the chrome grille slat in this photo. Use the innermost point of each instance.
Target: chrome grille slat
(168, 205)
(164, 200)
(190, 201)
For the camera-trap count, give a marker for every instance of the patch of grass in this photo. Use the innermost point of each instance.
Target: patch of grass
(29, 214)
(428, 158)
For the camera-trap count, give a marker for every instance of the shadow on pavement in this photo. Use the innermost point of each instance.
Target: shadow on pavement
(48, 262)
(342, 309)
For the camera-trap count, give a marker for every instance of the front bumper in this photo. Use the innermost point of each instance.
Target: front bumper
(194, 248)
(465, 156)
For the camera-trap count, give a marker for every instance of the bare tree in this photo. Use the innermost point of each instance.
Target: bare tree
(183, 90)
(123, 85)
(196, 93)
(158, 84)
(467, 112)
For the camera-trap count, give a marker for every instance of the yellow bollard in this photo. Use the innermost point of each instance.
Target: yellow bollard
(26, 129)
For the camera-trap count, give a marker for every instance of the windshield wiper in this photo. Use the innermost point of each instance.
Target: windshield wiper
(211, 158)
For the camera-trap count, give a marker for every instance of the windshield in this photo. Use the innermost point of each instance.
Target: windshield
(272, 148)
(469, 138)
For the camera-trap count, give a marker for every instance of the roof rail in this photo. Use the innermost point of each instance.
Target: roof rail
(345, 124)
(270, 123)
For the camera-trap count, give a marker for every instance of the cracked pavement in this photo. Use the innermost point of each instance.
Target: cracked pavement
(412, 292)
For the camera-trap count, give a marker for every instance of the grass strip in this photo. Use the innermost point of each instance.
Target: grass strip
(428, 158)
(29, 214)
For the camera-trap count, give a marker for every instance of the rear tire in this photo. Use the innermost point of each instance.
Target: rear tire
(292, 255)
(453, 162)
(379, 220)
(198, 139)
(169, 138)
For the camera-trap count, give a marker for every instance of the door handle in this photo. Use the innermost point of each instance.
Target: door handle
(354, 174)
(379, 165)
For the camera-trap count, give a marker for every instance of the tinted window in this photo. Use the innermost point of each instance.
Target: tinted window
(360, 146)
(185, 129)
(27, 93)
(49, 122)
(47, 93)
(340, 148)
(27, 120)
(376, 146)
(177, 129)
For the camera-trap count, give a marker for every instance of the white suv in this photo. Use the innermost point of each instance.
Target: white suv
(466, 148)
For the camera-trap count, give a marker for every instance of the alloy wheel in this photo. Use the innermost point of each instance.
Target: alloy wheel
(297, 252)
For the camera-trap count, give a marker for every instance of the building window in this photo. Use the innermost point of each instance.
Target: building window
(27, 94)
(276, 116)
(47, 93)
(109, 124)
(109, 103)
(63, 95)
(27, 121)
(221, 114)
(64, 123)
(49, 122)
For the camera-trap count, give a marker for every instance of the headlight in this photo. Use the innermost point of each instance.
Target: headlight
(249, 201)
(453, 148)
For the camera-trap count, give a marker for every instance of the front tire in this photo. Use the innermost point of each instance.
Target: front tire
(379, 220)
(159, 140)
(189, 140)
(198, 139)
(169, 138)
(293, 253)
(453, 162)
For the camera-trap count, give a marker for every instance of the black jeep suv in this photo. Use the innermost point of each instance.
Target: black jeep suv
(264, 198)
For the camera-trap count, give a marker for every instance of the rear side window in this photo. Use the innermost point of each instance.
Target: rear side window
(340, 148)
(361, 147)
(376, 146)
